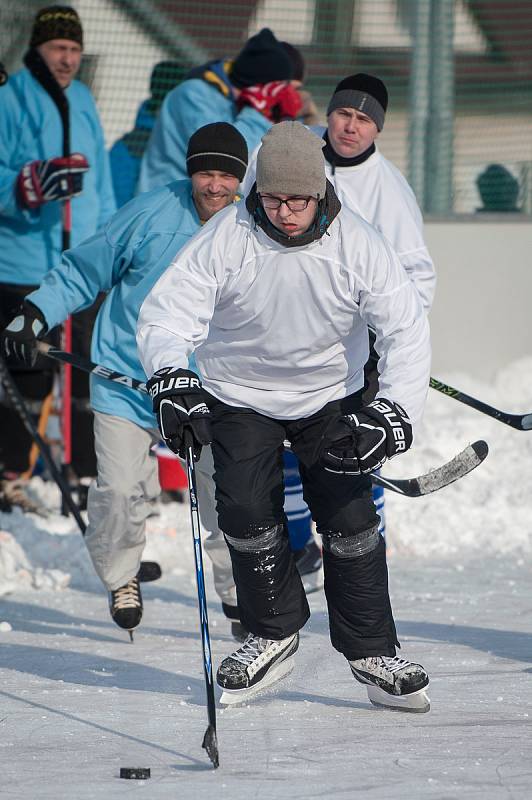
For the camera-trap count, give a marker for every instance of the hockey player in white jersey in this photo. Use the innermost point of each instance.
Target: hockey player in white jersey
(367, 182)
(276, 297)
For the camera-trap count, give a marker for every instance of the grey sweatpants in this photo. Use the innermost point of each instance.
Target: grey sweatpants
(119, 503)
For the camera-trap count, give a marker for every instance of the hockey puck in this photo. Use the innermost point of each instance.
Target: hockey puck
(135, 773)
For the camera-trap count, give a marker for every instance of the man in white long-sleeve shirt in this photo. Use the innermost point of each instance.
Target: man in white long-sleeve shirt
(276, 296)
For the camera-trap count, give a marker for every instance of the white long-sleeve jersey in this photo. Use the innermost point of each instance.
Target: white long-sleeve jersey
(378, 192)
(283, 330)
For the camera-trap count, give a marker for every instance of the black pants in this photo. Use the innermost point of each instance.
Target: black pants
(247, 450)
(36, 382)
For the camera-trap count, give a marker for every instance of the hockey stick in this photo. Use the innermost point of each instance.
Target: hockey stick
(522, 422)
(451, 471)
(86, 365)
(210, 742)
(466, 461)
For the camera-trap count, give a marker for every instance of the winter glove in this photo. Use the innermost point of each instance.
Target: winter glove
(276, 100)
(39, 182)
(179, 404)
(18, 342)
(361, 442)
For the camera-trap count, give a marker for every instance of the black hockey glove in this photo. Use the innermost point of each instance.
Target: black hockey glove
(362, 442)
(179, 404)
(18, 342)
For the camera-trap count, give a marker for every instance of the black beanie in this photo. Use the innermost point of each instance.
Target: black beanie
(218, 146)
(56, 22)
(262, 59)
(364, 92)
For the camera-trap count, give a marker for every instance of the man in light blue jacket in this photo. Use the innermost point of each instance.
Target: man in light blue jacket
(125, 259)
(251, 93)
(37, 175)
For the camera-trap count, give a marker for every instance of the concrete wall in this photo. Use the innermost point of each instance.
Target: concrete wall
(482, 315)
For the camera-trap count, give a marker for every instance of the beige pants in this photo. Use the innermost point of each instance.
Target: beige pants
(119, 502)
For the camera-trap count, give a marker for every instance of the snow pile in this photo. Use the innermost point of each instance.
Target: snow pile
(485, 513)
(47, 551)
(488, 511)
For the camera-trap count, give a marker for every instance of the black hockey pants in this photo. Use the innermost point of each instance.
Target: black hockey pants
(247, 450)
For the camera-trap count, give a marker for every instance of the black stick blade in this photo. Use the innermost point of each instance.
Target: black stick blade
(210, 744)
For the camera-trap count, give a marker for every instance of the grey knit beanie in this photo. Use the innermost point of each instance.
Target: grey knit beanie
(290, 161)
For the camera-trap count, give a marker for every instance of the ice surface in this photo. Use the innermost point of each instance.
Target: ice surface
(79, 701)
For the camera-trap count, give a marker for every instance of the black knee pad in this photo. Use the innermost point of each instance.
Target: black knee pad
(352, 545)
(256, 539)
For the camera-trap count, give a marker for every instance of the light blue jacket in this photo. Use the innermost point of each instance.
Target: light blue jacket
(125, 259)
(186, 108)
(30, 130)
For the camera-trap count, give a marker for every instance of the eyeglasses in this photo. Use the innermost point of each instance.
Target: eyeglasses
(293, 203)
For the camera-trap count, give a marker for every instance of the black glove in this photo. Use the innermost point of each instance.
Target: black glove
(361, 442)
(39, 182)
(18, 342)
(179, 404)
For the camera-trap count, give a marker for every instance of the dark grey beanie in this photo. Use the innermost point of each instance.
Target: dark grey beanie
(290, 161)
(366, 93)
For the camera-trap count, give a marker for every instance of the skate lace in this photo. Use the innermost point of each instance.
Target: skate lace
(394, 664)
(250, 650)
(127, 596)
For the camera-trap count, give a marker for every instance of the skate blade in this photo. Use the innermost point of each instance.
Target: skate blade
(232, 697)
(416, 702)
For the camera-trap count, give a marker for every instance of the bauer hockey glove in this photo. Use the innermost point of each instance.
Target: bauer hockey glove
(39, 182)
(276, 100)
(362, 442)
(18, 342)
(179, 404)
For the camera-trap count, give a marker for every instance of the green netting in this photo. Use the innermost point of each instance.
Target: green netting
(459, 74)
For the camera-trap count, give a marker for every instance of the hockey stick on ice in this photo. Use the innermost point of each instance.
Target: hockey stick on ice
(522, 422)
(210, 742)
(456, 468)
(466, 461)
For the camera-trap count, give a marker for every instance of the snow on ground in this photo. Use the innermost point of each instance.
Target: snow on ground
(78, 701)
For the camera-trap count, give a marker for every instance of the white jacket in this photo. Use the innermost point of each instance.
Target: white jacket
(284, 330)
(377, 191)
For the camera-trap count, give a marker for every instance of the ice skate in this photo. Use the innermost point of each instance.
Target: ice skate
(125, 604)
(256, 665)
(309, 563)
(393, 682)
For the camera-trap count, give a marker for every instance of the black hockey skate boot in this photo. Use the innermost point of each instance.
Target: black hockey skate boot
(254, 666)
(125, 604)
(393, 682)
(309, 563)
